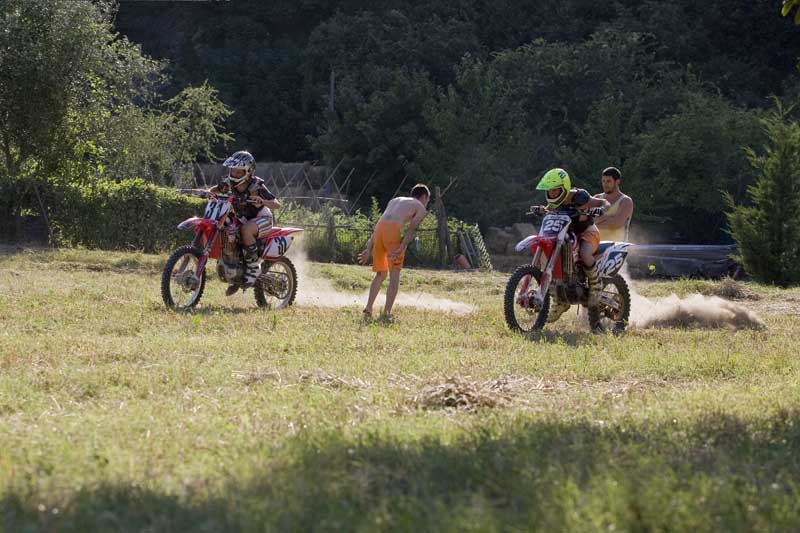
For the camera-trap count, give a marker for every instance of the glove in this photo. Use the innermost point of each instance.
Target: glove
(595, 212)
(538, 210)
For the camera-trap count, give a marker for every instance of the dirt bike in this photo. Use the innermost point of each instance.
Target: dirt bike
(216, 236)
(557, 273)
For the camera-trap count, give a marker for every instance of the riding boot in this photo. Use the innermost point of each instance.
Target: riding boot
(556, 312)
(595, 287)
(252, 265)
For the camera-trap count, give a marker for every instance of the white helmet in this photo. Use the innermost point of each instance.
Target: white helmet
(243, 160)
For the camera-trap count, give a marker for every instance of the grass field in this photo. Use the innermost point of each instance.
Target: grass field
(117, 415)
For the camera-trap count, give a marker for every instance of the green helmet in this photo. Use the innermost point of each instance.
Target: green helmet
(554, 179)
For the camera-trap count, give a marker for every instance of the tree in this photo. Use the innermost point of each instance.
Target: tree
(768, 231)
(79, 103)
(507, 119)
(790, 5)
(62, 69)
(378, 126)
(686, 162)
(160, 142)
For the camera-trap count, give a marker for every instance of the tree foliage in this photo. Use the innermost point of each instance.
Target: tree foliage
(492, 92)
(768, 231)
(78, 101)
(686, 162)
(61, 73)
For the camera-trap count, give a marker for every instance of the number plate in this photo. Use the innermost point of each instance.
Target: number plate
(216, 209)
(554, 224)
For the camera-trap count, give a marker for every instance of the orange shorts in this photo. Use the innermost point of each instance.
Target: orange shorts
(592, 237)
(387, 239)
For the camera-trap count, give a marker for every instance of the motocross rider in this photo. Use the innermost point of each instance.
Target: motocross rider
(252, 203)
(560, 195)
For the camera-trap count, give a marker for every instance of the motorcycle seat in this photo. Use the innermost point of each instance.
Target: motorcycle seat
(604, 245)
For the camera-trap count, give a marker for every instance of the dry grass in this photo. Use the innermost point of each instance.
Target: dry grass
(123, 416)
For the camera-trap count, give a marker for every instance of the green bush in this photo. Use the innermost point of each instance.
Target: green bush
(130, 214)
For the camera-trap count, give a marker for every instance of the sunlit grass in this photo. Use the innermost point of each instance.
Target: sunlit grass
(117, 414)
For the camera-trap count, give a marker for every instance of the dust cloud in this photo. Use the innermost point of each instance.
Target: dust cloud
(314, 291)
(695, 311)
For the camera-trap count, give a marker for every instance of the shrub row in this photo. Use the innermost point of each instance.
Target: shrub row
(130, 214)
(134, 214)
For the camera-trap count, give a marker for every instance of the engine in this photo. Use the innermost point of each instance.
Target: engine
(229, 268)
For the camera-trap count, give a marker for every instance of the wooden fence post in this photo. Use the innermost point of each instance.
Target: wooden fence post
(331, 235)
(441, 218)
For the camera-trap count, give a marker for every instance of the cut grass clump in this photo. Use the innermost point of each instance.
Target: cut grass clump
(462, 394)
(731, 289)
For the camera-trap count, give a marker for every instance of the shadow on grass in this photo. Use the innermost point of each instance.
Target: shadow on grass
(570, 338)
(718, 473)
(205, 310)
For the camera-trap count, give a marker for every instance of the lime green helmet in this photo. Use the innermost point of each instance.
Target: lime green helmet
(553, 179)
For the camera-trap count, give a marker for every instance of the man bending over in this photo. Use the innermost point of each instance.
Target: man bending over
(388, 249)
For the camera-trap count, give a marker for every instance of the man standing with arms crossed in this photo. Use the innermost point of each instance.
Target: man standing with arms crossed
(615, 221)
(388, 250)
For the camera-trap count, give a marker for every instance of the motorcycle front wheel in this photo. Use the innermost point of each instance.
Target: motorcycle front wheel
(181, 287)
(521, 315)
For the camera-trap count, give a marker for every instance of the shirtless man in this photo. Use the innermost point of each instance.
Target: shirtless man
(388, 250)
(614, 222)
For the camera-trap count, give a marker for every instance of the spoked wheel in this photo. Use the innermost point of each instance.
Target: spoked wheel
(523, 314)
(181, 287)
(276, 287)
(614, 310)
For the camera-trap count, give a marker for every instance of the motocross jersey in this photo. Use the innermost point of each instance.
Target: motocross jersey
(241, 207)
(578, 198)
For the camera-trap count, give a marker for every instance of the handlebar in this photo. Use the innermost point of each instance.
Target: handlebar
(571, 211)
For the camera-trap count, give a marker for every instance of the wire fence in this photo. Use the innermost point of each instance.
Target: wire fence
(342, 244)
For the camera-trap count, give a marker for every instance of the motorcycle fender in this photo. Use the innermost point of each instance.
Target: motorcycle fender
(525, 243)
(196, 222)
(189, 223)
(612, 260)
(533, 242)
(277, 247)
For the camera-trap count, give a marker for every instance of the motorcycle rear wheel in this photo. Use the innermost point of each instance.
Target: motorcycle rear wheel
(519, 318)
(286, 279)
(605, 318)
(182, 285)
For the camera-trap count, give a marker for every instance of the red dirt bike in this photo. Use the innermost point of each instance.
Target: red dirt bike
(556, 272)
(216, 236)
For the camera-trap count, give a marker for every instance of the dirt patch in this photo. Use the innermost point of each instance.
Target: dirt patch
(325, 379)
(317, 377)
(254, 377)
(320, 292)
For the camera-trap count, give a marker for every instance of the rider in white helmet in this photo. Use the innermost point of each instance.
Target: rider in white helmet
(252, 204)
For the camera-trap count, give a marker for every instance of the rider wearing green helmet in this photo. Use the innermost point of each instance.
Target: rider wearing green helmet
(558, 186)
(560, 195)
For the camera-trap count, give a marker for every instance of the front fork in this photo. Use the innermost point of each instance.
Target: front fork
(206, 252)
(544, 282)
